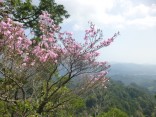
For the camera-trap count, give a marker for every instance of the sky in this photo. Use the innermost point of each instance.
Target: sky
(134, 19)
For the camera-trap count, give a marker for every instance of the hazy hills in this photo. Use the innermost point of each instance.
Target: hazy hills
(135, 69)
(143, 75)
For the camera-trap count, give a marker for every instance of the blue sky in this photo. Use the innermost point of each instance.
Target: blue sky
(135, 19)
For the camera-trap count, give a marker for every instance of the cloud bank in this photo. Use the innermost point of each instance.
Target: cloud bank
(116, 13)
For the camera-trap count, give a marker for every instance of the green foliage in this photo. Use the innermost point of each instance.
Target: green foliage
(71, 109)
(114, 112)
(28, 14)
(133, 100)
(3, 109)
(28, 107)
(57, 11)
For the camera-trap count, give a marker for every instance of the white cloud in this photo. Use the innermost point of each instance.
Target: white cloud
(118, 13)
(149, 21)
(137, 10)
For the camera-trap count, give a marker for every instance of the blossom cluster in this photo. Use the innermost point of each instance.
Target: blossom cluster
(54, 45)
(13, 36)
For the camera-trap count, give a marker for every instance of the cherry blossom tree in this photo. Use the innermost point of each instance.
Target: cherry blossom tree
(36, 73)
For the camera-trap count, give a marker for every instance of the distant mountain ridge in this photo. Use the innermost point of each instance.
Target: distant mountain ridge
(142, 75)
(129, 68)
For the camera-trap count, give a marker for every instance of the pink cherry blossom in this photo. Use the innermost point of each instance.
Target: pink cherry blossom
(57, 47)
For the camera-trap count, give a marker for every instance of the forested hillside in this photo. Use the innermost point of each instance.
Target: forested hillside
(133, 100)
